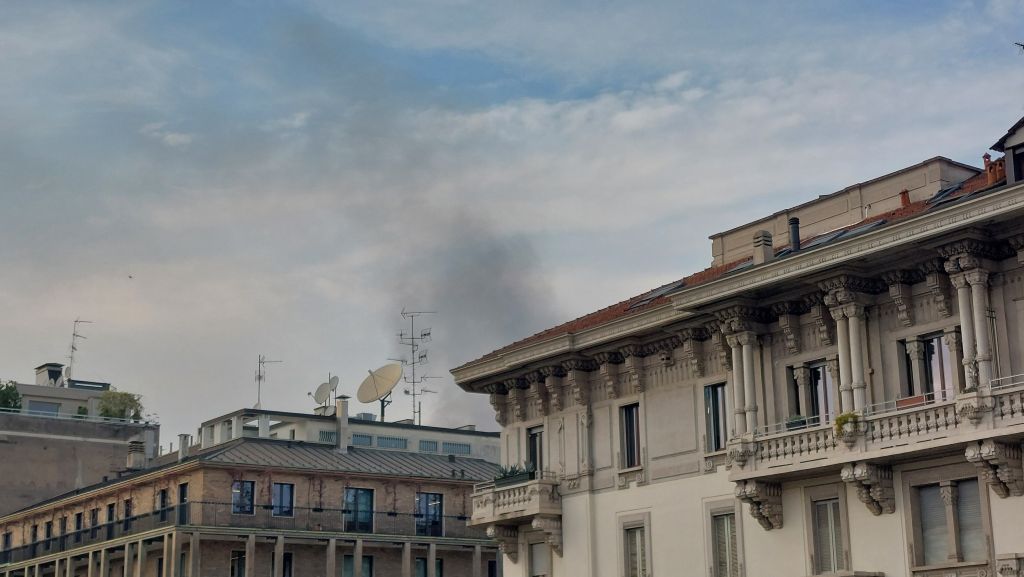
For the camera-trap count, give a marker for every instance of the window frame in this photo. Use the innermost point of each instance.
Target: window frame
(827, 492)
(911, 480)
(276, 509)
(722, 507)
(723, 427)
(346, 520)
(627, 522)
(252, 497)
(236, 560)
(422, 515)
(625, 463)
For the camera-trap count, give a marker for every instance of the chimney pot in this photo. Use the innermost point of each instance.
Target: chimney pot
(904, 198)
(763, 250)
(184, 444)
(136, 456)
(341, 419)
(794, 233)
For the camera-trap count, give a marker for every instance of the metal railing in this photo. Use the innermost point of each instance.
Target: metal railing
(794, 425)
(75, 417)
(1004, 382)
(212, 514)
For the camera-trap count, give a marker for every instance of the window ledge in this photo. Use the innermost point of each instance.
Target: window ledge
(950, 565)
(627, 470)
(851, 574)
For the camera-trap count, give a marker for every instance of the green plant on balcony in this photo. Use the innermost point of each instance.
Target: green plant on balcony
(513, 474)
(82, 413)
(844, 419)
(120, 405)
(10, 398)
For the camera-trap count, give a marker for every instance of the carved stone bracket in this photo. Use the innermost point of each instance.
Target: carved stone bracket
(634, 366)
(938, 285)
(693, 350)
(821, 317)
(789, 322)
(517, 402)
(965, 253)
(1009, 565)
(608, 362)
(553, 382)
(538, 392)
(742, 318)
(1000, 466)
(577, 380)
(765, 500)
(899, 283)
(552, 529)
(500, 408)
(873, 484)
(508, 540)
(844, 288)
(1017, 244)
(718, 344)
(665, 348)
(740, 450)
(973, 406)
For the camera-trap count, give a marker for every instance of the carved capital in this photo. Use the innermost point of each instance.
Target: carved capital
(508, 540)
(845, 287)
(977, 277)
(765, 500)
(874, 486)
(802, 375)
(1000, 466)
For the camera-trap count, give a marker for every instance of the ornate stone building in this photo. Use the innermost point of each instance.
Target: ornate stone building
(840, 393)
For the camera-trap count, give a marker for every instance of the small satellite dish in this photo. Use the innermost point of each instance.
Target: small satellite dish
(378, 384)
(324, 391)
(330, 410)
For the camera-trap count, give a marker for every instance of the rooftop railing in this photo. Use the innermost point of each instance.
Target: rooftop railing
(75, 417)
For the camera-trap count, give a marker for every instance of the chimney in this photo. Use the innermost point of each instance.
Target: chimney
(136, 456)
(50, 374)
(794, 233)
(184, 444)
(763, 250)
(341, 416)
(904, 198)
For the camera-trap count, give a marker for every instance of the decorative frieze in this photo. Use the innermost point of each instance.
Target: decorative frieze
(765, 500)
(999, 465)
(874, 486)
(843, 288)
(741, 318)
(665, 349)
(965, 253)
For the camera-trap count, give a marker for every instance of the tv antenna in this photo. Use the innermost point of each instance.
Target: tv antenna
(75, 337)
(417, 358)
(261, 375)
(378, 384)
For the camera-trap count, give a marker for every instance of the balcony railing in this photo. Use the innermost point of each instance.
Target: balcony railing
(389, 523)
(518, 502)
(76, 417)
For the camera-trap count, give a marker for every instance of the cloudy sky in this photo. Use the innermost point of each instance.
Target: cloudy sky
(211, 181)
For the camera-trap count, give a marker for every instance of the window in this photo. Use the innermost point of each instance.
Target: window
(283, 500)
(127, 514)
(540, 560)
(492, 568)
(360, 440)
(945, 509)
(162, 503)
(715, 417)
(629, 419)
(348, 566)
(535, 447)
(929, 367)
(183, 504)
(63, 531)
(429, 514)
(237, 564)
(358, 510)
(242, 497)
(94, 522)
(43, 408)
(5, 547)
(111, 516)
(329, 437)
(34, 540)
(428, 446)
(455, 448)
(828, 536)
(286, 563)
(822, 402)
(392, 442)
(724, 551)
(421, 567)
(47, 535)
(79, 525)
(635, 542)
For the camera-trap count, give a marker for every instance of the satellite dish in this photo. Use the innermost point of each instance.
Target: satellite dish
(324, 391)
(329, 412)
(378, 384)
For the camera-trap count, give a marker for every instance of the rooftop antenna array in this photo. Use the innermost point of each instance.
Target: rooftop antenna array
(261, 375)
(417, 358)
(75, 336)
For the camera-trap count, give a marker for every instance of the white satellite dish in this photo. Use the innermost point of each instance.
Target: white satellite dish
(378, 384)
(325, 390)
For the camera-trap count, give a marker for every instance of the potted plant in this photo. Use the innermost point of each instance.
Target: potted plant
(514, 474)
(796, 422)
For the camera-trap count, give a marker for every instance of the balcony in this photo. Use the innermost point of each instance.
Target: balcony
(502, 507)
(369, 525)
(921, 425)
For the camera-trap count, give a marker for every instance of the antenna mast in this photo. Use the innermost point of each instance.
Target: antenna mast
(75, 336)
(417, 358)
(261, 375)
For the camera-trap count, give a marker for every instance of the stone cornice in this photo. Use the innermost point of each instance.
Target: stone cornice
(920, 228)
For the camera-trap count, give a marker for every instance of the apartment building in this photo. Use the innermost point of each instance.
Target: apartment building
(58, 441)
(278, 494)
(840, 393)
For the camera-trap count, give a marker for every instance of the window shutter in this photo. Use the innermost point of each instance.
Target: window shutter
(822, 538)
(837, 535)
(726, 556)
(933, 525)
(968, 511)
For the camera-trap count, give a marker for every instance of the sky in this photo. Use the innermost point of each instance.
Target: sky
(212, 181)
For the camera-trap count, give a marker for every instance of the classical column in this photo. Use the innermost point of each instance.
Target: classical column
(279, 557)
(739, 399)
(915, 354)
(978, 279)
(175, 556)
(747, 340)
(69, 567)
(956, 353)
(802, 376)
(140, 559)
(357, 560)
(194, 556)
(855, 316)
(331, 568)
(168, 555)
(963, 301)
(91, 565)
(432, 560)
(407, 559)
(127, 569)
(250, 556)
(477, 560)
(104, 564)
(843, 344)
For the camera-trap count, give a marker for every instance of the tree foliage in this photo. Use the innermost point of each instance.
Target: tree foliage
(120, 405)
(10, 398)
